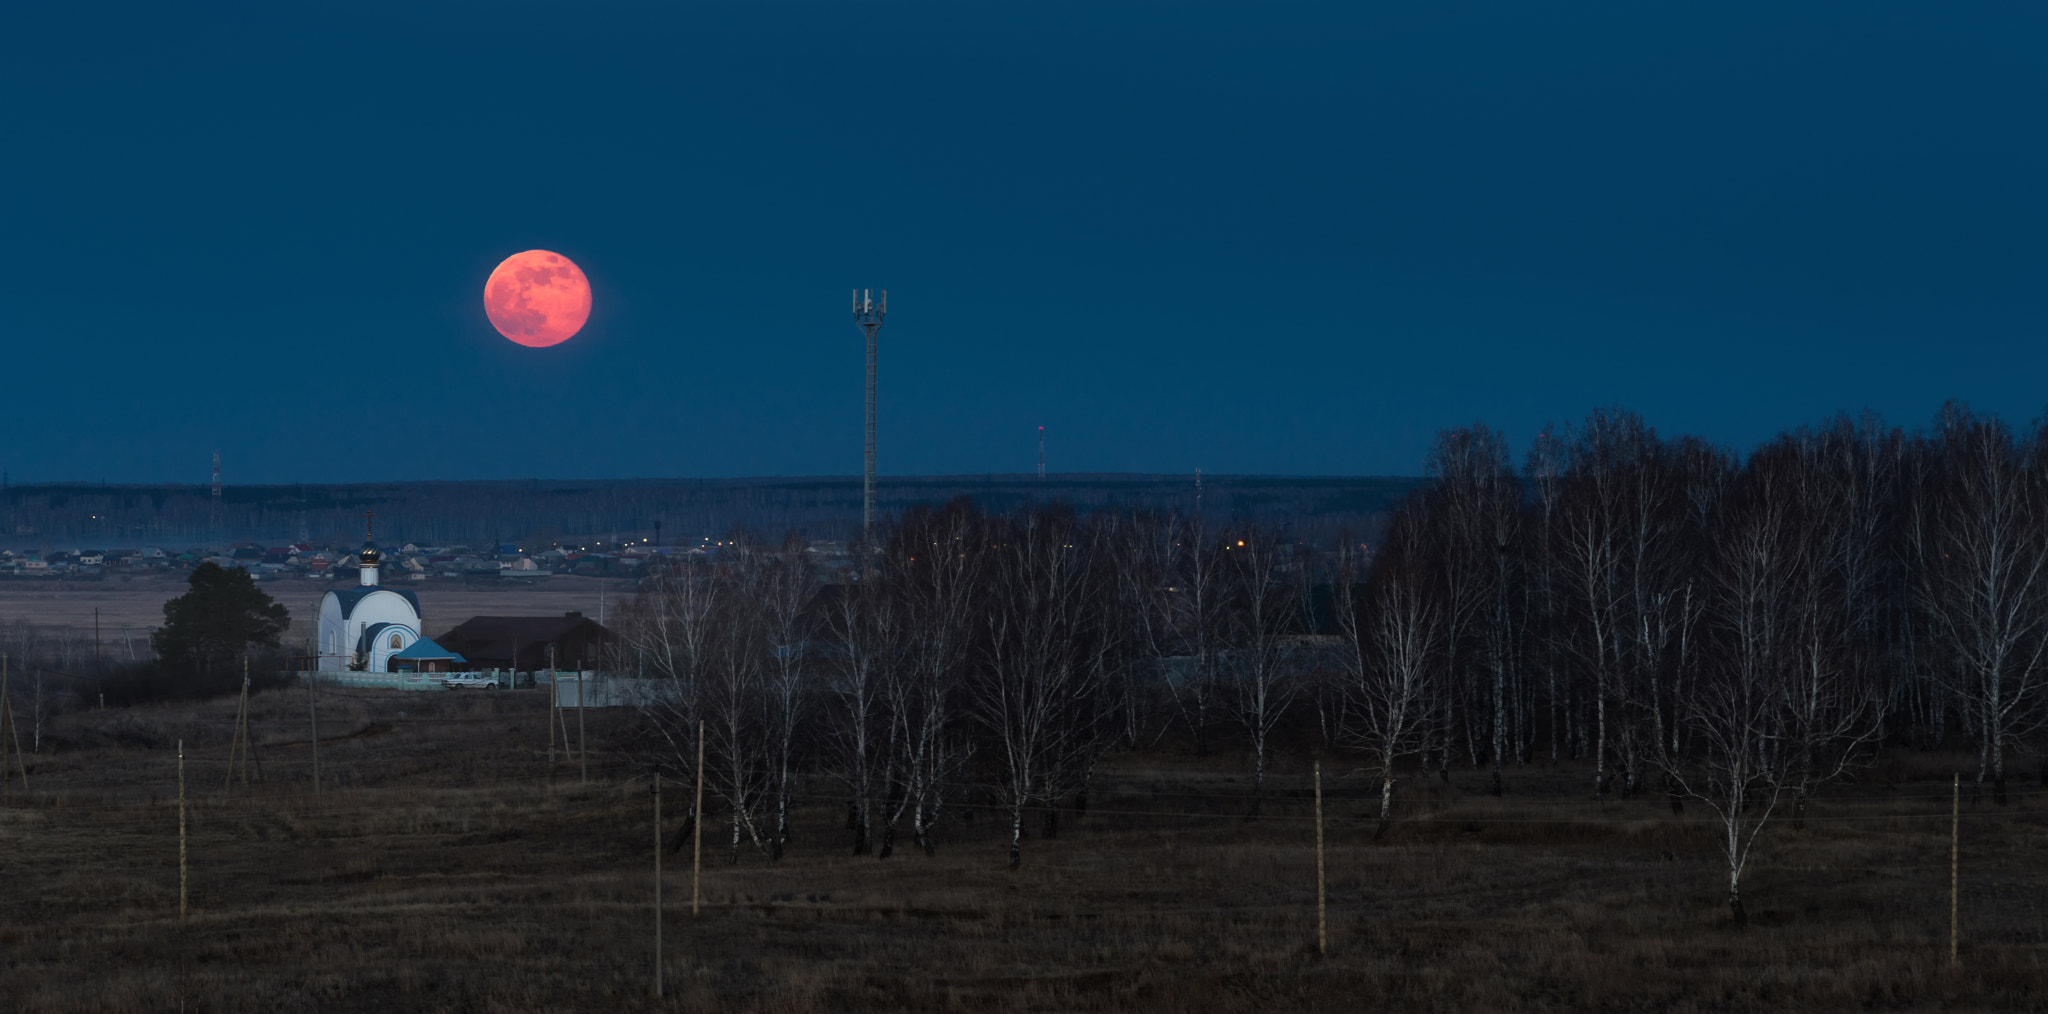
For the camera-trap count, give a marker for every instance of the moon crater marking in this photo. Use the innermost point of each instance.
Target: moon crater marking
(537, 298)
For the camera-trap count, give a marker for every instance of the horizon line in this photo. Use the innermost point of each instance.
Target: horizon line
(1030, 478)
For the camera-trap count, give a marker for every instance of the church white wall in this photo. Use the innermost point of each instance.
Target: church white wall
(383, 649)
(338, 635)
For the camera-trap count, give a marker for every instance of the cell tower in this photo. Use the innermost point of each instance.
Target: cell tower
(216, 477)
(867, 315)
(1041, 454)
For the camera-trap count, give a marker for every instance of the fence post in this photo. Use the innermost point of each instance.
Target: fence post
(313, 719)
(10, 733)
(554, 702)
(6, 722)
(181, 831)
(249, 729)
(697, 851)
(13, 732)
(657, 884)
(582, 753)
(1955, 845)
(237, 746)
(1322, 923)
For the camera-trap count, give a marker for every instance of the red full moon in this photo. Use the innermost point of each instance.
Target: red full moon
(537, 298)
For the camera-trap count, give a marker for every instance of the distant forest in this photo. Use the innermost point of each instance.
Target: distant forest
(543, 511)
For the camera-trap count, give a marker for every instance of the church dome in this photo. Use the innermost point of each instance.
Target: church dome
(369, 555)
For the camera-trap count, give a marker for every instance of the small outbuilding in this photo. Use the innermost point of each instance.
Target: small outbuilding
(524, 642)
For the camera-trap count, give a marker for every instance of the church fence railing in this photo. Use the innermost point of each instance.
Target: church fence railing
(421, 680)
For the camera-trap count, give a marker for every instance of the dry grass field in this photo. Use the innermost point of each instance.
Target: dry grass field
(447, 867)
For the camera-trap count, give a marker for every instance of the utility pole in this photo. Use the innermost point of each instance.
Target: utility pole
(867, 315)
(98, 684)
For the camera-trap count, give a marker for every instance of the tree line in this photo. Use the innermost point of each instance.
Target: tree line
(534, 514)
(1732, 630)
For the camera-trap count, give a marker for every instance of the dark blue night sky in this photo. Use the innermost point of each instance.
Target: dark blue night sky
(1254, 238)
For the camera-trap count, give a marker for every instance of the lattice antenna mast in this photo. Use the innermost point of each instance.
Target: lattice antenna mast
(1041, 454)
(867, 315)
(213, 505)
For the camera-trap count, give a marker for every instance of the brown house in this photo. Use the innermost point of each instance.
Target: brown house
(522, 642)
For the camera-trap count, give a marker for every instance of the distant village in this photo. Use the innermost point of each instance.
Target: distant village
(303, 561)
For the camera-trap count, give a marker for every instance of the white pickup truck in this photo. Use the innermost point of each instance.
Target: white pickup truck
(460, 680)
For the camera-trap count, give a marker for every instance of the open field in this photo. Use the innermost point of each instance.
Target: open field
(445, 866)
(138, 602)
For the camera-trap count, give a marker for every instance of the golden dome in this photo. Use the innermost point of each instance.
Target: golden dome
(369, 554)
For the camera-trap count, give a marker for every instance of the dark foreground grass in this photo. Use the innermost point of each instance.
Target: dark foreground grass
(445, 868)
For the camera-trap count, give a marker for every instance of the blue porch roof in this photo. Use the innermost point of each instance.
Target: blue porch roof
(425, 648)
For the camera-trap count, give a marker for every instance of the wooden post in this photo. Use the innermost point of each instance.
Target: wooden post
(1322, 923)
(6, 720)
(313, 713)
(554, 698)
(582, 755)
(249, 730)
(181, 830)
(697, 851)
(657, 885)
(1955, 844)
(561, 715)
(13, 731)
(235, 745)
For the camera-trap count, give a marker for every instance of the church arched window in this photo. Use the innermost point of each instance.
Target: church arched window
(397, 642)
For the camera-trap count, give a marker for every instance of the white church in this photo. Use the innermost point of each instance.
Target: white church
(370, 628)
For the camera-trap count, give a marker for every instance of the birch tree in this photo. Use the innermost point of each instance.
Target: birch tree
(668, 630)
(1981, 535)
(1198, 624)
(1031, 679)
(1737, 718)
(786, 590)
(1392, 638)
(937, 561)
(1266, 619)
(863, 624)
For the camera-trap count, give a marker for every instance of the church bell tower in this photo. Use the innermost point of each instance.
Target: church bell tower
(369, 556)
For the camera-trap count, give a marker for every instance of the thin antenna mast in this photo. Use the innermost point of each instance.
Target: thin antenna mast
(213, 508)
(867, 315)
(1041, 454)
